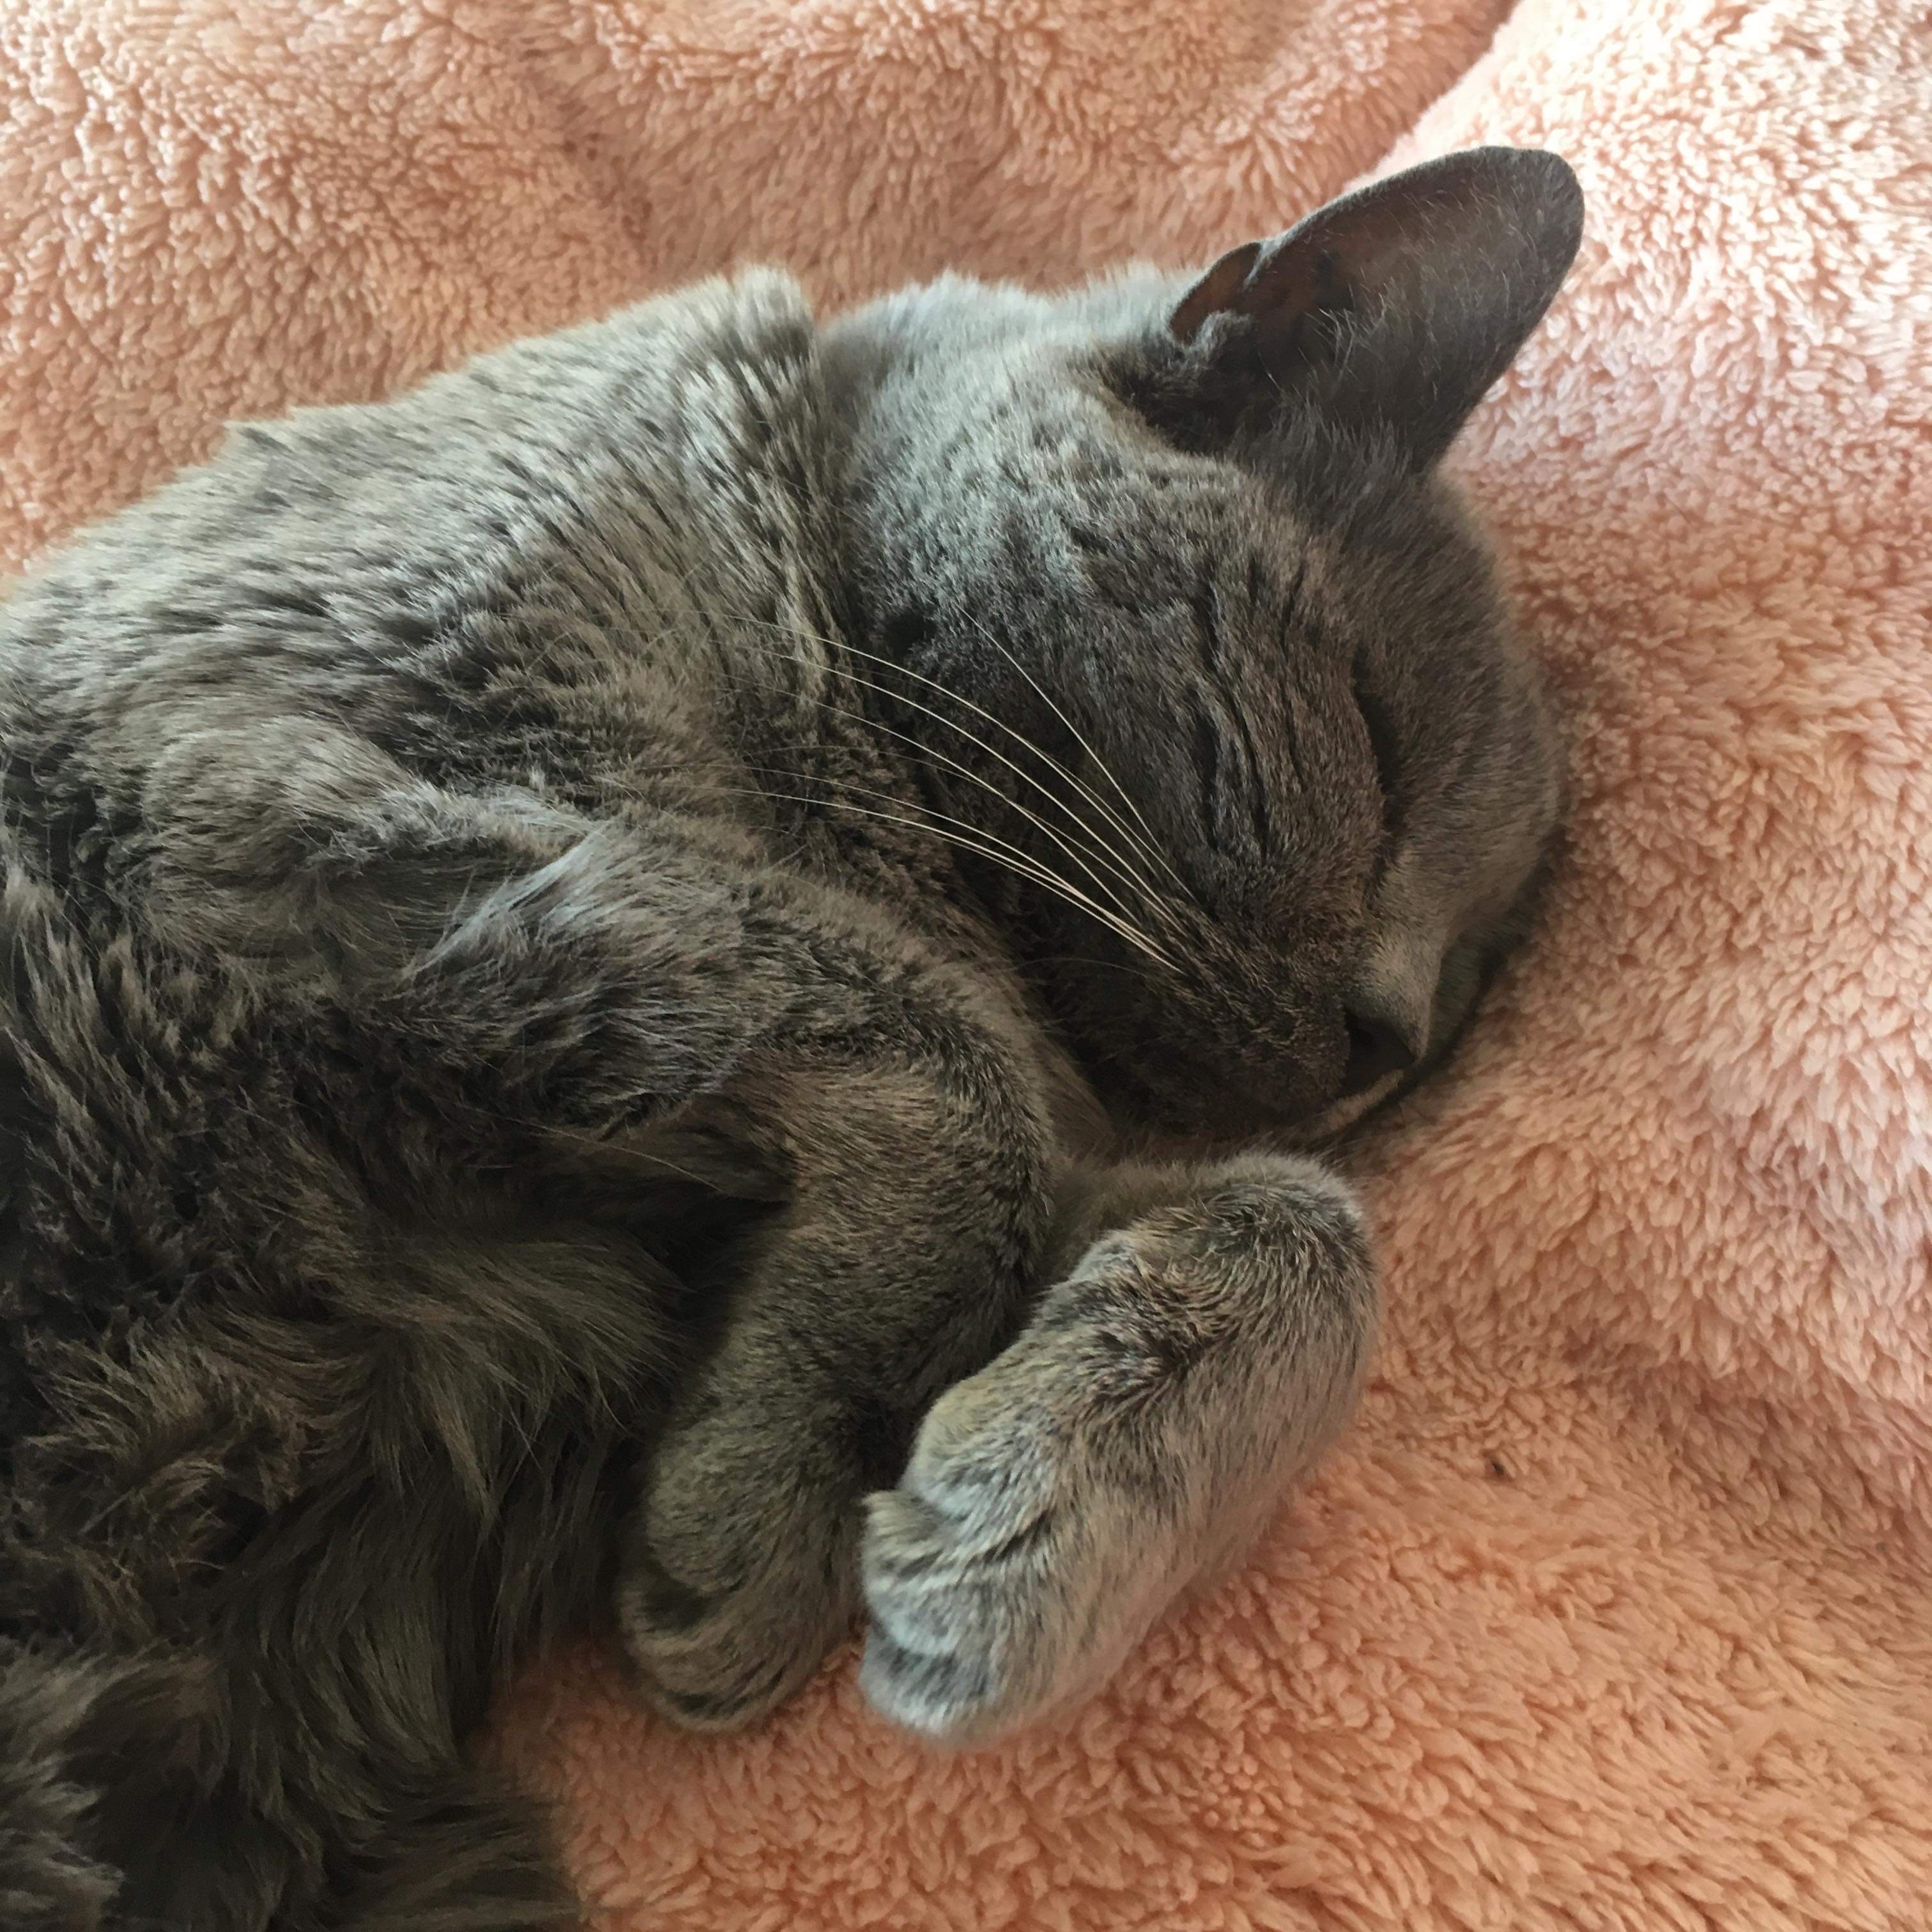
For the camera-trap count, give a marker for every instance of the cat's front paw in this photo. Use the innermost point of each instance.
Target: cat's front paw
(1138, 1434)
(737, 1574)
(1007, 1575)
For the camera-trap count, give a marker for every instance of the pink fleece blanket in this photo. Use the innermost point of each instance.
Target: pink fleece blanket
(1615, 1609)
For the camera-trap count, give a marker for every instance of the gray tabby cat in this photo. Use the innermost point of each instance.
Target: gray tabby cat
(605, 965)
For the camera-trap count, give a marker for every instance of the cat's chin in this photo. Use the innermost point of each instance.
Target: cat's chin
(1329, 1123)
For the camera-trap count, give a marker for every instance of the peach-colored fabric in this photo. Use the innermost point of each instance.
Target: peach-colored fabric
(1615, 1610)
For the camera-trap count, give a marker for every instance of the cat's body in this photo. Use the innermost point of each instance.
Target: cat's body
(553, 1006)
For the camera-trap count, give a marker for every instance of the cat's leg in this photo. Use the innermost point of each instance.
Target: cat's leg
(899, 1265)
(607, 996)
(213, 1789)
(385, 1454)
(1201, 1350)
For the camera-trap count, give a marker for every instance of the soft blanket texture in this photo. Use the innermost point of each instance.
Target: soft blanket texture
(1615, 1609)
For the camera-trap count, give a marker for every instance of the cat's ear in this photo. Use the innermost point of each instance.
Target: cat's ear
(1393, 309)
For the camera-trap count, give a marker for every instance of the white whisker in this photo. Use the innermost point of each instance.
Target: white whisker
(1093, 843)
(1013, 858)
(1140, 844)
(1058, 837)
(1090, 840)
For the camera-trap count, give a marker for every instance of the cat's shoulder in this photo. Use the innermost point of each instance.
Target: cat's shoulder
(670, 357)
(721, 371)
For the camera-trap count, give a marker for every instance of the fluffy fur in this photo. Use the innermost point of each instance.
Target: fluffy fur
(605, 943)
(1614, 1608)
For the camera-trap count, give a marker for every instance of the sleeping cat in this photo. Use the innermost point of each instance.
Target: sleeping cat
(672, 974)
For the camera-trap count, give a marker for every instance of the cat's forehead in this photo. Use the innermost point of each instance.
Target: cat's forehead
(1033, 452)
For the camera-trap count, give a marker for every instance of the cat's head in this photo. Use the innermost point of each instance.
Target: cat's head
(1200, 652)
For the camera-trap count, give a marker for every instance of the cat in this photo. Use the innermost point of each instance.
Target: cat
(690, 974)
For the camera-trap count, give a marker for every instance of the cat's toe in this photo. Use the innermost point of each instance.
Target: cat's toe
(946, 1655)
(997, 1578)
(729, 1596)
(713, 1663)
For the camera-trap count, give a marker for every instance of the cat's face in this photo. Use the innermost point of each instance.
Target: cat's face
(1260, 777)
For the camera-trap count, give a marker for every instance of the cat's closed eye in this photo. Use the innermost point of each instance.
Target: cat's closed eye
(1385, 747)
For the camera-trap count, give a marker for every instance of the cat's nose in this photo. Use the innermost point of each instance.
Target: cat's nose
(1379, 1046)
